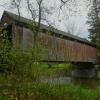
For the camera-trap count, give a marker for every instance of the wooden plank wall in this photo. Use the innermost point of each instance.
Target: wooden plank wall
(65, 50)
(59, 49)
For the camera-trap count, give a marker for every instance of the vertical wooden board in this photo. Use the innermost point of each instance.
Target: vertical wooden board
(62, 49)
(86, 53)
(83, 51)
(76, 45)
(65, 50)
(65, 55)
(74, 53)
(70, 50)
(71, 53)
(95, 53)
(46, 41)
(81, 57)
(79, 52)
(27, 38)
(18, 35)
(92, 52)
(61, 45)
(71, 46)
(77, 48)
(58, 46)
(50, 42)
(89, 52)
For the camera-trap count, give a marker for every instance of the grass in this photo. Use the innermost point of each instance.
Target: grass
(30, 91)
(13, 89)
(55, 70)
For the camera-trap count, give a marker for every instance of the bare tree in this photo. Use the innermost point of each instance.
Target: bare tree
(64, 2)
(16, 4)
(72, 28)
(39, 2)
(39, 13)
(36, 14)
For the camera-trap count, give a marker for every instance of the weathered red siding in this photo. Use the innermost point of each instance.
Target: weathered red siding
(65, 50)
(59, 49)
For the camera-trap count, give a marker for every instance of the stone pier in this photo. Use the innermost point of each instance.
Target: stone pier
(84, 70)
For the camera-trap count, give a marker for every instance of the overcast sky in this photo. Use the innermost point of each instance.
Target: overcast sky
(67, 21)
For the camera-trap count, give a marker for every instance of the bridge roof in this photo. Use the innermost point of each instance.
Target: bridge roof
(52, 29)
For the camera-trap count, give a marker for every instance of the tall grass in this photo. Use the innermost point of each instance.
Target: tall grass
(30, 91)
(13, 89)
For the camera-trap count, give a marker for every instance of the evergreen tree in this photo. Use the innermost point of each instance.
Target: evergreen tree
(94, 22)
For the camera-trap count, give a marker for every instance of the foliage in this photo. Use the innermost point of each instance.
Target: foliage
(4, 50)
(30, 91)
(94, 21)
(19, 62)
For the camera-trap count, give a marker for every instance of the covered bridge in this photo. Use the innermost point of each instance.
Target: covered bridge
(62, 46)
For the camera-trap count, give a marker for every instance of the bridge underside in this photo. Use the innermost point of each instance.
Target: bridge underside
(80, 69)
(84, 70)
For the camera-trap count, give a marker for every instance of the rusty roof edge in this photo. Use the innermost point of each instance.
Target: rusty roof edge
(28, 21)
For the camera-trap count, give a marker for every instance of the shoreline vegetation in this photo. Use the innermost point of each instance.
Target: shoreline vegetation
(13, 87)
(32, 91)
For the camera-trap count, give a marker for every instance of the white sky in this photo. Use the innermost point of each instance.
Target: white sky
(76, 23)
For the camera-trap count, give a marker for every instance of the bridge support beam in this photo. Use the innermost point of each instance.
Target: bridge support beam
(84, 70)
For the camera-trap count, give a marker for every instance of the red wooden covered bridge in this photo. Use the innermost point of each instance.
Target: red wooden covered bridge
(62, 46)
